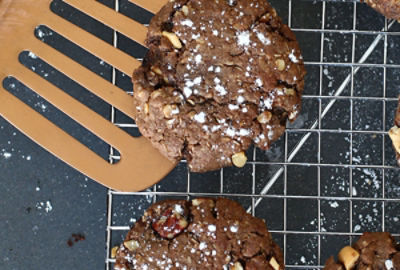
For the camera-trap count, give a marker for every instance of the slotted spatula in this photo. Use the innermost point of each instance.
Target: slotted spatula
(141, 165)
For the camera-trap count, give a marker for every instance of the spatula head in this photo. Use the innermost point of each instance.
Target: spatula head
(140, 165)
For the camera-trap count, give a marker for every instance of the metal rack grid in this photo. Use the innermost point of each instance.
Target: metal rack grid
(317, 165)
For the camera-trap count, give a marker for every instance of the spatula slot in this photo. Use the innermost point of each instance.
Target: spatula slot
(135, 12)
(60, 119)
(74, 52)
(83, 20)
(72, 88)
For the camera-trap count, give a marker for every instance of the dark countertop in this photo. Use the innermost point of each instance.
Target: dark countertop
(44, 201)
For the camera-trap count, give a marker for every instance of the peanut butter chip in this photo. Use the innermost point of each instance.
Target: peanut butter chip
(264, 117)
(280, 64)
(173, 39)
(394, 134)
(348, 256)
(114, 251)
(156, 70)
(131, 245)
(239, 159)
(290, 92)
(185, 10)
(146, 108)
(274, 263)
(170, 110)
(237, 266)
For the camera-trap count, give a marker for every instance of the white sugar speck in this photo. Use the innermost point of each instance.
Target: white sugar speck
(240, 99)
(7, 155)
(230, 132)
(212, 228)
(244, 132)
(221, 90)
(233, 107)
(198, 59)
(187, 22)
(178, 209)
(40, 33)
(197, 80)
(187, 91)
(215, 128)
(334, 204)
(217, 69)
(32, 55)
(211, 68)
(175, 111)
(215, 32)
(202, 245)
(263, 39)
(302, 259)
(268, 103)
(243, 38)
(293, 57)
(217, 80)
(259, 82)
(389, 264)
(200, 117)
(233, 229)
(49, 207)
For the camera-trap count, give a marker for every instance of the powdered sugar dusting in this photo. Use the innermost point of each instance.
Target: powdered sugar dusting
(197, 80)
(234, 228)
(187, 91)
(198, 59)
(200, 117)
(221, 90)
(187, 22)
(212, 228)
(293, 57)
(243, 38)
(389, 264)
(259, 82)
(263, 39)
(202, 246)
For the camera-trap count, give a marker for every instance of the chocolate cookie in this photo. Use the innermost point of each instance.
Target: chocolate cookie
(372, 251)
(389, 8)
(218, 76)
(394, 134)
(198, 234)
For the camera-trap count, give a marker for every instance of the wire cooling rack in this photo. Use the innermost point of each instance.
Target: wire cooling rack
(331, 176)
